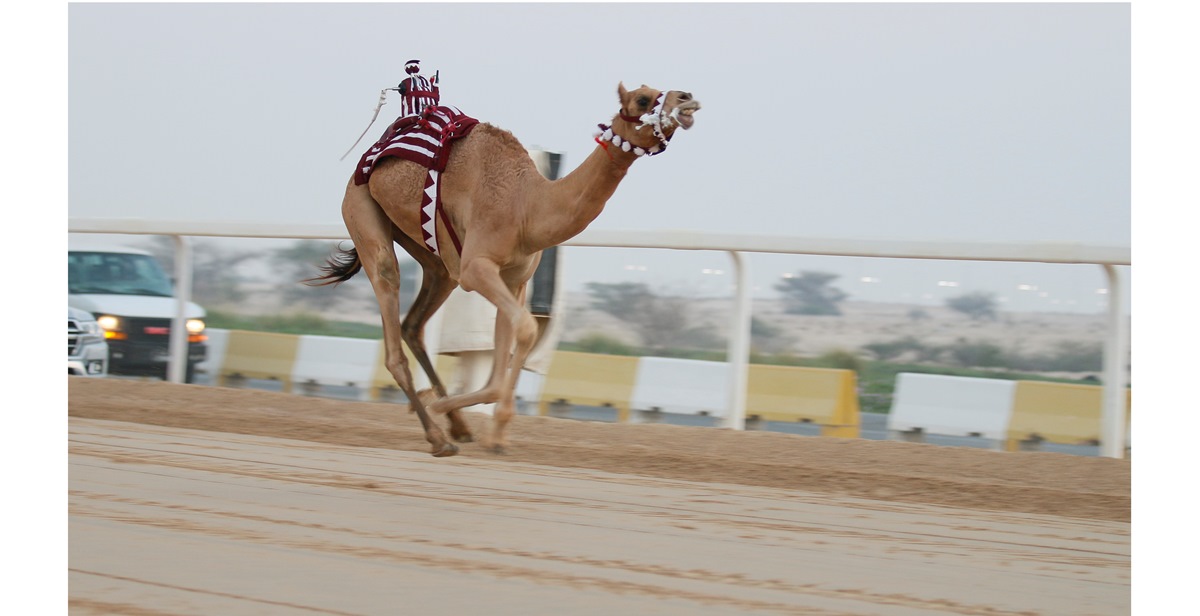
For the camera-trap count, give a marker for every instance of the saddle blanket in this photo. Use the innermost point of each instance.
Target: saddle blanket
(425, 140)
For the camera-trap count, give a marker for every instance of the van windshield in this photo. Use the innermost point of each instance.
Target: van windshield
(116, 274)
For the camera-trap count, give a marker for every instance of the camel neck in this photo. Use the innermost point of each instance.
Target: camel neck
(573, 202)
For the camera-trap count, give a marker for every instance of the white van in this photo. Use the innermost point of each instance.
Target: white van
(133, 301)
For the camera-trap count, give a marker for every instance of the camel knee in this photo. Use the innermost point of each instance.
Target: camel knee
(381, 263)
(412, 332)
(525, 331)
(389, 272)
(474, 272)
(398, 368)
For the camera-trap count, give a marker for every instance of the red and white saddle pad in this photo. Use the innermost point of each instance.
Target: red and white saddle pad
(425, 140)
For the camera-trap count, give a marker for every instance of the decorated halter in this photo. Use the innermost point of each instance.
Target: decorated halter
(654, 118)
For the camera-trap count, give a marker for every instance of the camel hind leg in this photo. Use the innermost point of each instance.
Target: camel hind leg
(436, 286)
(371, 231)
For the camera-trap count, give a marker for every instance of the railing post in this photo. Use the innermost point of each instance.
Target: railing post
(178, 344)
(739, 345)
(1116, 349)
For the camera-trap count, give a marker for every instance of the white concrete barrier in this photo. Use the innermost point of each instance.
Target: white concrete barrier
(218, 339)
(951, 405)
(685, 386)
(529, 389)
(330, 360)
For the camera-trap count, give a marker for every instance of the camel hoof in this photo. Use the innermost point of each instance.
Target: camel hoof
(498, 450)
(446, 451)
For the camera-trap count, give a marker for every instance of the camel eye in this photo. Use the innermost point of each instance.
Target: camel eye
(643, 101)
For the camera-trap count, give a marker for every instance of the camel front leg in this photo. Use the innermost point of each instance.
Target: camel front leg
(515, 328)
(510, 354)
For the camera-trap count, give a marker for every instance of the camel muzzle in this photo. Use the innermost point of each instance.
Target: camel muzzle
(682, 113)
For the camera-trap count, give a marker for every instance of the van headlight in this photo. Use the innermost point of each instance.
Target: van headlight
(195, 330)
(112, 327)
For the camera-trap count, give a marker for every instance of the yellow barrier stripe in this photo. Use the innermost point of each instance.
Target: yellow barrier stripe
(591, 380)
(1062, 413)
(824, 396)
(259, 355)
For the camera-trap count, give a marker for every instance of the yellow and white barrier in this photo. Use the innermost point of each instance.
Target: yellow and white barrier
(1058, 413)
(776, 393)
(589, 380)
(1016, 414)
(529, 387)
(333, 360)
(951, 406)
(684, 386)
(825, 396)
(218, 339)
(258, 355)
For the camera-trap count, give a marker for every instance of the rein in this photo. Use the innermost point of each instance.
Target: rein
(654, 119)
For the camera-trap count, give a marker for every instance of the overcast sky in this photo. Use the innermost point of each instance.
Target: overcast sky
(957, 122)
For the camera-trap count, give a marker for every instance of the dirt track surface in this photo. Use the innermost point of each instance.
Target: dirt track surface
(200, 500)
(1027, 482)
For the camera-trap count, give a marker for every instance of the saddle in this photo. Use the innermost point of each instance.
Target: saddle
(426, 140)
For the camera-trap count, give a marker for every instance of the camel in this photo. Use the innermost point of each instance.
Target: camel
(501, 214)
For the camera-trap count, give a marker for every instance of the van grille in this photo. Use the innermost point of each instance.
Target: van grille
(74, 335)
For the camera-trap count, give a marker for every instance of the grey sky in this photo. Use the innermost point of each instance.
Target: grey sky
(960, 122)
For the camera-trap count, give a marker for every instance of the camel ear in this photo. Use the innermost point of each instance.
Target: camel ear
(621, 92)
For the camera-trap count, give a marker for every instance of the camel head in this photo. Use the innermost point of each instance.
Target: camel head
(648, 118)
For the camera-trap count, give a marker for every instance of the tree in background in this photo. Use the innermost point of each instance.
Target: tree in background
(768, 338)
(918, 314)
(981, 354)
(215, 277)
(660, 322)
(810, 293)
(978, 305)
(627, 301)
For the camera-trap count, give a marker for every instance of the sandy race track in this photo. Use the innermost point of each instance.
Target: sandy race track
(201, 500)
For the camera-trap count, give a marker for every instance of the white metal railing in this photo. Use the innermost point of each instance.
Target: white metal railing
(1116, 346)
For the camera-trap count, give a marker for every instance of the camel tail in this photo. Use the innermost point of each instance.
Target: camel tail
(340, 267)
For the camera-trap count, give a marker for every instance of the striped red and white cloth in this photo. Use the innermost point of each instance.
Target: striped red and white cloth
(425, 140)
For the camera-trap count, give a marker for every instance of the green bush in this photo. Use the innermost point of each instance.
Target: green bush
(842, 360)
(1067, 356)
(301, 324)
(891, 350)
(601, 344)
(977, 354)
